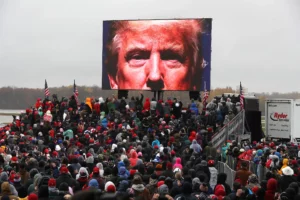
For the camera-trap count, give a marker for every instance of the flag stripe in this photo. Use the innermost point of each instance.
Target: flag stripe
(46, 91)
(205, 96)
(241, 97)
(75, 92)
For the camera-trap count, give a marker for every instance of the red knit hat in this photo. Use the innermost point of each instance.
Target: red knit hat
(88, 154)
(54, 153)
(169, 165)
(111, 188)
(46, 151)
(255, 189)
(17, 178)
(96, 170)
(132, 172)
(173, 153)
(32, 196)
(64, 170)
(52, 182)
(294, 162)
(160, 183)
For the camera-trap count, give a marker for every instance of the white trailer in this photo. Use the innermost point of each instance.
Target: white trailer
(296, 121)
(279, 118)
(283, 119)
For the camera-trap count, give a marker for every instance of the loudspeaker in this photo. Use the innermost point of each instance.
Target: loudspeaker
(194, 95)
(251, 104)
(122, 93)
(253, 124)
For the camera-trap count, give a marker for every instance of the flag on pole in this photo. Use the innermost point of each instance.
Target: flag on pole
(241, 96)
(46, 91)
(205, 96)
(75, 92)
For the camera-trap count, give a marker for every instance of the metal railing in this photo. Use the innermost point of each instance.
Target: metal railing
(232, 130)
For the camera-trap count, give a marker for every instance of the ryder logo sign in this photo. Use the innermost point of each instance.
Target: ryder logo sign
(279, 116)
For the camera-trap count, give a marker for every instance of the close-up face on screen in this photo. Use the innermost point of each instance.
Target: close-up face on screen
(155, 54)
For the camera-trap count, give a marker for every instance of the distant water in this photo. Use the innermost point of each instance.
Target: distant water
(7, 118)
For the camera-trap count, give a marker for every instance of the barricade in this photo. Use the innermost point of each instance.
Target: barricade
(224, 168)
(232, 165)
(232, 129)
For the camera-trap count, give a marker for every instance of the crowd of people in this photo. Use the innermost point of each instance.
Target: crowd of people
(136, 149)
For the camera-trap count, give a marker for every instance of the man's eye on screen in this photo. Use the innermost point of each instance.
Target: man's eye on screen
(173, 58)
(137, 59)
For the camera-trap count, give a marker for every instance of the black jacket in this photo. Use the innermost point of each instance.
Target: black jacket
(67, 179)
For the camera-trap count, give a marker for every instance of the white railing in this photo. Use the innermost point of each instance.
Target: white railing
(232, 129)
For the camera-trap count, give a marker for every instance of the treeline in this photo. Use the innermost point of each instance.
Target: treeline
(22, 98)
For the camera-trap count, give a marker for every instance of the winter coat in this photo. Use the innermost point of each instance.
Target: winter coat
(284, 182)
(66, 178)
(271, 189)
(243, 175)
(5, 191)
(133, 159)
(177, 164)
(147, 104)
(194, 108)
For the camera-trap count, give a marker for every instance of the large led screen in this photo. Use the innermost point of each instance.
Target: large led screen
(157, 54)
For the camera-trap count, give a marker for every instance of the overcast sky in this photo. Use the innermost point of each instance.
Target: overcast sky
(253, 41)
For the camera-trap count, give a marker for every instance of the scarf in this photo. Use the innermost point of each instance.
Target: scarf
(138, 187)
(152, 182)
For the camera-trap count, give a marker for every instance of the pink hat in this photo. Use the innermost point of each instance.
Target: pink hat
(140, 154)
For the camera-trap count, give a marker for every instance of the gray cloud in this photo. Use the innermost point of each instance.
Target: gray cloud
(256, 42)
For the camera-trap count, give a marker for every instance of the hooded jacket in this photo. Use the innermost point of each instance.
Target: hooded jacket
(177, 164)
(5, 191)
(285, 163)
(147, 104)
(271, 189)
(134, 158)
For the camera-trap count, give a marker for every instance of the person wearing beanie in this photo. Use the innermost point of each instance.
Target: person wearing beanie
(100, 180)
(22, 192)
(158, 169)
(4, 178)
(52, 190)
(32, 196)
(110, 191)
(65, 177)
(163, 193)
(82, 177)
(213, 173)
(168, 172)
(138, 190)
(152, 186)
(110, 187)
(253, 182)
(93, 185)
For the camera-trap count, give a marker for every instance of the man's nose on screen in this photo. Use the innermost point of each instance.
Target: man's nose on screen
(155, 78)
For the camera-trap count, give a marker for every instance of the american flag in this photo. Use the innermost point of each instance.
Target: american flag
(205, 96)
(75, 92)
(46, 91)
(241, 96)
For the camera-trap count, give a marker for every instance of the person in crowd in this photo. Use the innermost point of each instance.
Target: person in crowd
(128, 153)
(243, 174)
